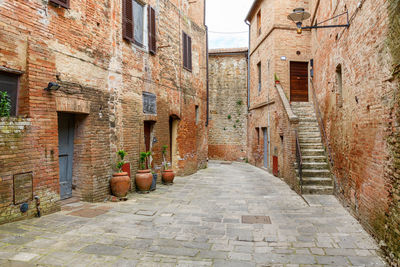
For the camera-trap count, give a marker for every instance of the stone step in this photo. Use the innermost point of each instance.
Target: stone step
(312, 152)
(312, 123)
(316, 173)
(306, 128)
(310, 140)
(311, 146)
(309, 134)
(307, 121)
(313, 158)
(314, 165)
(317, 190)
(324, 181)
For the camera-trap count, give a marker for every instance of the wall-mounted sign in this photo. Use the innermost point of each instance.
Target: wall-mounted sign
(283, 58)
(149, 103)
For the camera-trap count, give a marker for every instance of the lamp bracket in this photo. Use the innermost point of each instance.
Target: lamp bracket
(317, 25)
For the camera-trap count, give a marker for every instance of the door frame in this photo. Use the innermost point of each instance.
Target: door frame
(308, 78)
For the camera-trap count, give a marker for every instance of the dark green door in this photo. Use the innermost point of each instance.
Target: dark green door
(65, 153)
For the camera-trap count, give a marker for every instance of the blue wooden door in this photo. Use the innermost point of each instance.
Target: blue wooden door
(66, 153)
(266, 144)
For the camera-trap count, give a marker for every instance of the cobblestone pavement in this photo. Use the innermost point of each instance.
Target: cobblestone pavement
(196, 222)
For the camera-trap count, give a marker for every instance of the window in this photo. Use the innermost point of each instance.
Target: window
(259, 22)
(62, 3)
(259, 76)
(339, 84)
(187, 51)
(9, 84)
(197, 114)
(133, 24)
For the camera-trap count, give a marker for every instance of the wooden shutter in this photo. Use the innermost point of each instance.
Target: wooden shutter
(184, 45)
(63, 3)
(189, 49)
(152, 30)
(127, 20)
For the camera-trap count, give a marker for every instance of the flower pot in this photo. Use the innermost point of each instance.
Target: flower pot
(144, 178)
(168, 176)
(120, 184)
(277, 82)
(153, 184)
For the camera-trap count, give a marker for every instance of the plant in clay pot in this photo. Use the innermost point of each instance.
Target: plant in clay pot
(120, 182)
(144, 177)
(276, 78)
(167, 174)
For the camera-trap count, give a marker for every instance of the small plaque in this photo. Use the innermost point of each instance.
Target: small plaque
(23, 187)
(149, 103)
(256, 219)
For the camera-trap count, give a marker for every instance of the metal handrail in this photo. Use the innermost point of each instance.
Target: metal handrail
(321, 124)
(299, 162)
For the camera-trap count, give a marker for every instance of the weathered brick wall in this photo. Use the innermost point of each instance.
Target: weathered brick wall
(102, 78)
(361, 121)
(228, 104)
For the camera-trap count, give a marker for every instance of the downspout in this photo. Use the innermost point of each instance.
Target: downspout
(248, 70)
(207, 73)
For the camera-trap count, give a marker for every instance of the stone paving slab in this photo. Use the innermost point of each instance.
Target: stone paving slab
(196, 222)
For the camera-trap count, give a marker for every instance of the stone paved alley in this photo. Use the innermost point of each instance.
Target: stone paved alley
(196, 222)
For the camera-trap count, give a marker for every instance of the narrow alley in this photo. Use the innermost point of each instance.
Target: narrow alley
(201, 221)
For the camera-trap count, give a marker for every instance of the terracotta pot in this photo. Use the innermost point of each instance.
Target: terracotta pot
(144, 178)
(120, 184)
(168, 176)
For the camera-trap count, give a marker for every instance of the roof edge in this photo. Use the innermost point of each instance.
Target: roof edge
(251, 11)
(237, 50)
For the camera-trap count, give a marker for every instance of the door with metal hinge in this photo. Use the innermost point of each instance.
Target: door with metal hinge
(299, 81)
(66, 126)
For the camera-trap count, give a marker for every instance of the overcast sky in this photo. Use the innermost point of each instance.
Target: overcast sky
(227, 16)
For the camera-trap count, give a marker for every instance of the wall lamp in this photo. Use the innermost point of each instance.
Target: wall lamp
(299, 14)
(52, 87)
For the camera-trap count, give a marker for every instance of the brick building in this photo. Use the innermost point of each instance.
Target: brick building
(227, 134)
(336, 104)
(132, 76)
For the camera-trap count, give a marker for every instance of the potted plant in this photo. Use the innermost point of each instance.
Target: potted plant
(167, 174)
(144, 178)
(276, 78)
(120, 182)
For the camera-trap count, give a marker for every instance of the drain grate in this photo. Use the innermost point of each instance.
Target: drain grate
(251, 219)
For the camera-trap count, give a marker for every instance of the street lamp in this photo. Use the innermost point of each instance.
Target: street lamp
(299, 15)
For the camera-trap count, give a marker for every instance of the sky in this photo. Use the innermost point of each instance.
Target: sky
(225, 18)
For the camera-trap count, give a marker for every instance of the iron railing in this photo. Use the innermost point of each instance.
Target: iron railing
(321, 124)
(299, 160)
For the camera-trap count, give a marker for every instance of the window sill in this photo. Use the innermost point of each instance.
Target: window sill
(190, 70)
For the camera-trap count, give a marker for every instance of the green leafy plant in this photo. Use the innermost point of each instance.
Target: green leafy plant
(229, 116)
(121, 154)
(144, 160)
(5, 104)
(276, 77)
(237, 121)
(165, 163)
(239, 102)
(234, 126)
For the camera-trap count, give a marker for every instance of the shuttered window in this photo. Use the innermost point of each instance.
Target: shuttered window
(63, 3)
(187, 51)
(127, 20)
(152, 30)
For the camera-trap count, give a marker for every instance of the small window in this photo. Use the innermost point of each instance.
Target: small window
(197, 114)
(9, 84)
(62, 3)
(259, 22)
(339, 84)
(187, 51)
(132, 21)
(259, 76)
(138, 22)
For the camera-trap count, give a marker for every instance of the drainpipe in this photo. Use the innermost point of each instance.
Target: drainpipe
(248, 70)
(207, 80)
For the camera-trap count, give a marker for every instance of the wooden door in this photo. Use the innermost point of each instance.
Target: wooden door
(266, 150)
(299, 81)
(65, 153)
(147, 134)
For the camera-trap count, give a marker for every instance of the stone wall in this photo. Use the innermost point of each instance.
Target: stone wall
(102, 77)
(361, 119)
(228, 104)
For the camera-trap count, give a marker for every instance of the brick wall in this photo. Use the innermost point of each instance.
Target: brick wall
(102, 78)
(361, 119)
(228, 104)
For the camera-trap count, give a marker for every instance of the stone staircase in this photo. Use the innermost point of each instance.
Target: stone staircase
(317, 178)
